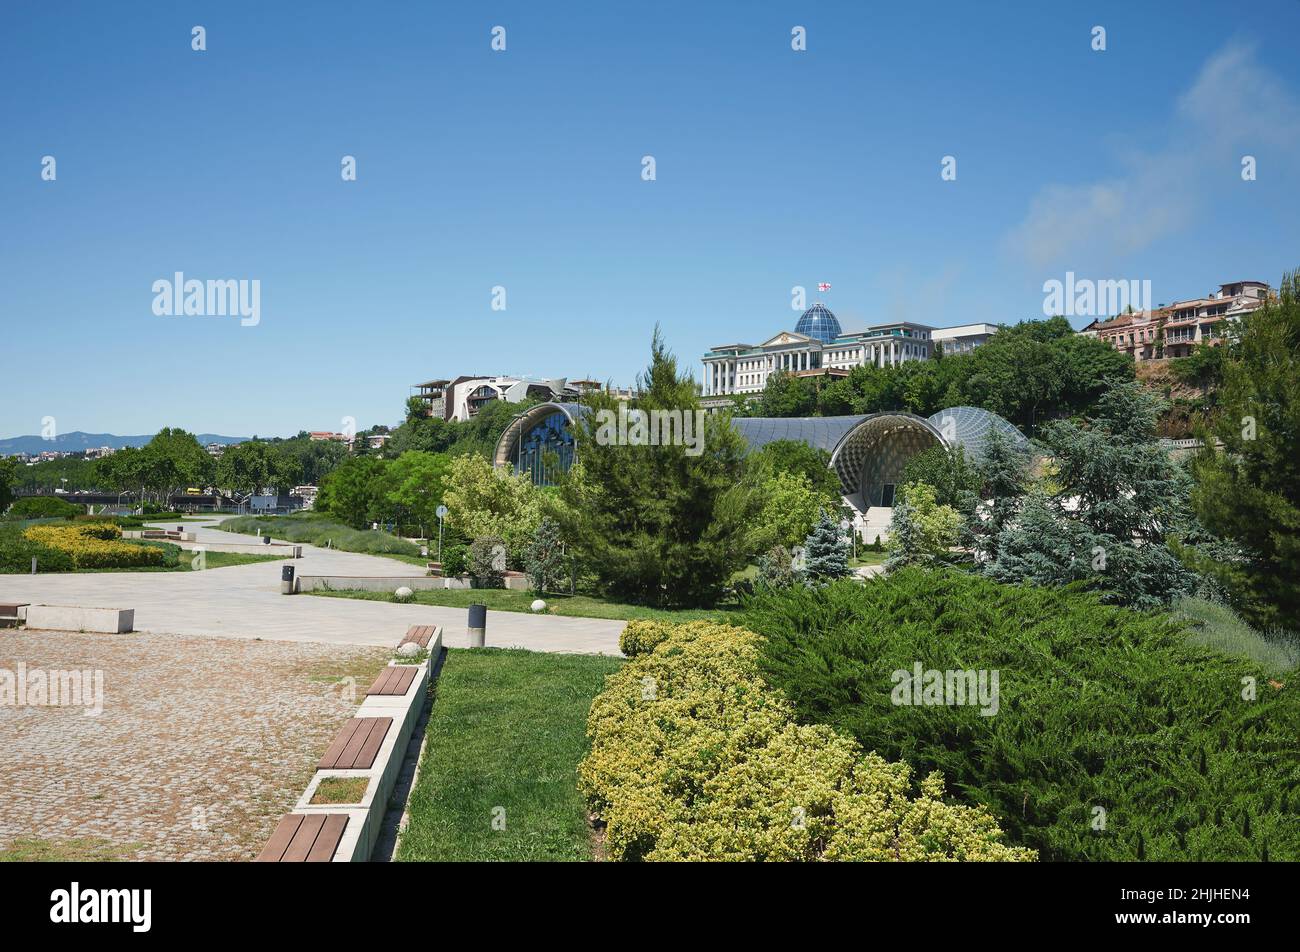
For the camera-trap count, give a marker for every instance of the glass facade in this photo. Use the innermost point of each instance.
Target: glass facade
(545, 450)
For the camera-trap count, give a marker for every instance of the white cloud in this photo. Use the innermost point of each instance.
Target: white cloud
(1234, 107)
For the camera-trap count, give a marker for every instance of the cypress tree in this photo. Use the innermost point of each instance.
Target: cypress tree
(1250, 491)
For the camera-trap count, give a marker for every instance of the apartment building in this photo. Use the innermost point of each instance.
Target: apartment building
(1174, 330)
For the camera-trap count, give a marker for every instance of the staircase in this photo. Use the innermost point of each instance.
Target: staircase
(876, 523)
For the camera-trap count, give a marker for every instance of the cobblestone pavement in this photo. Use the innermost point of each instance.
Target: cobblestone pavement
(202, 744)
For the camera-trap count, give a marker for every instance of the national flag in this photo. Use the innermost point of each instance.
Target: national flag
(823, 286)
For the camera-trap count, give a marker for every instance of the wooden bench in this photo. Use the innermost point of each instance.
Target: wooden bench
(395, 680)
(9, 617)
(304, 838)
(420, 634)
(356, 745)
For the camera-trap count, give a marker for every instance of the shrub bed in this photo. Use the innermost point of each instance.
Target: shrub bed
(1100, 707)
(96, 545)
(694, 757)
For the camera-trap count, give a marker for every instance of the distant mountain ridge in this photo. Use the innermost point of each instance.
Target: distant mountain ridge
(77, 440)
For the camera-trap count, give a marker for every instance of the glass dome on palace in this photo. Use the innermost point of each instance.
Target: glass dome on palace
(818, 322)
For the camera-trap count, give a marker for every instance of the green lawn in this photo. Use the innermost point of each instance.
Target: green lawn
(498, 775)
(577, 606)
(867, 557)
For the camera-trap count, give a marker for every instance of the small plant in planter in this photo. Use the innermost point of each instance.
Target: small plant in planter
(340, 790)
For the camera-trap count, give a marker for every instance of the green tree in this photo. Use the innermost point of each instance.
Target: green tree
(921, 530)
(413, 485)
(955, 480)
(797, 457)
(177, 462)
(7, 474)
(544, 556)
(826, 551)
(1119, 505)
(249, 466)
(791, 507)
(484, 502)
(1003, 469)
(352, 493)
(660, 524)
(1250, 492)
(786, 395)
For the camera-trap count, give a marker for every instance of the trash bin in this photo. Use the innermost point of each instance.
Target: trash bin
(286, 580)
(477, 625)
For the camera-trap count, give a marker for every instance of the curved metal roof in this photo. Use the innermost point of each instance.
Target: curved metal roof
(846, 438)
(824, 433)
(969, 428)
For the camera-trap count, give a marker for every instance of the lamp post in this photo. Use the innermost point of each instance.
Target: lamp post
(442, 512)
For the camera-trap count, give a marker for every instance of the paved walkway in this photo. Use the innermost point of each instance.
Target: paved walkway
(244, 601)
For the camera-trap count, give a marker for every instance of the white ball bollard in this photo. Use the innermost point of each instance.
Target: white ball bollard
(410, 649)
(538, 605)
(403, 594)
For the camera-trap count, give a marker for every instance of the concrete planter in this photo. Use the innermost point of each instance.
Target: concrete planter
(111, 621)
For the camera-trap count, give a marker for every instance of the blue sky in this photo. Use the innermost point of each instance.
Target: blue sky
(522, 169)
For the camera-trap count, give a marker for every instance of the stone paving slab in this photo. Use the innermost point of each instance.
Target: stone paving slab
(244, 601)
(202, 744)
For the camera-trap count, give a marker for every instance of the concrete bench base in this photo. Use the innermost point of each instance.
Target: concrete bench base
(111, 621)
(366, 818)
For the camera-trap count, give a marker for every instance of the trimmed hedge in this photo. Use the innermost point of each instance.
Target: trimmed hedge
(43, 507)
(694, 757)
(1099, 707)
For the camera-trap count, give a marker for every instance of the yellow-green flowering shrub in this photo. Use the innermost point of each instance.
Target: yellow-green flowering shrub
(95, 546)
(695, 757)
(640, 637)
